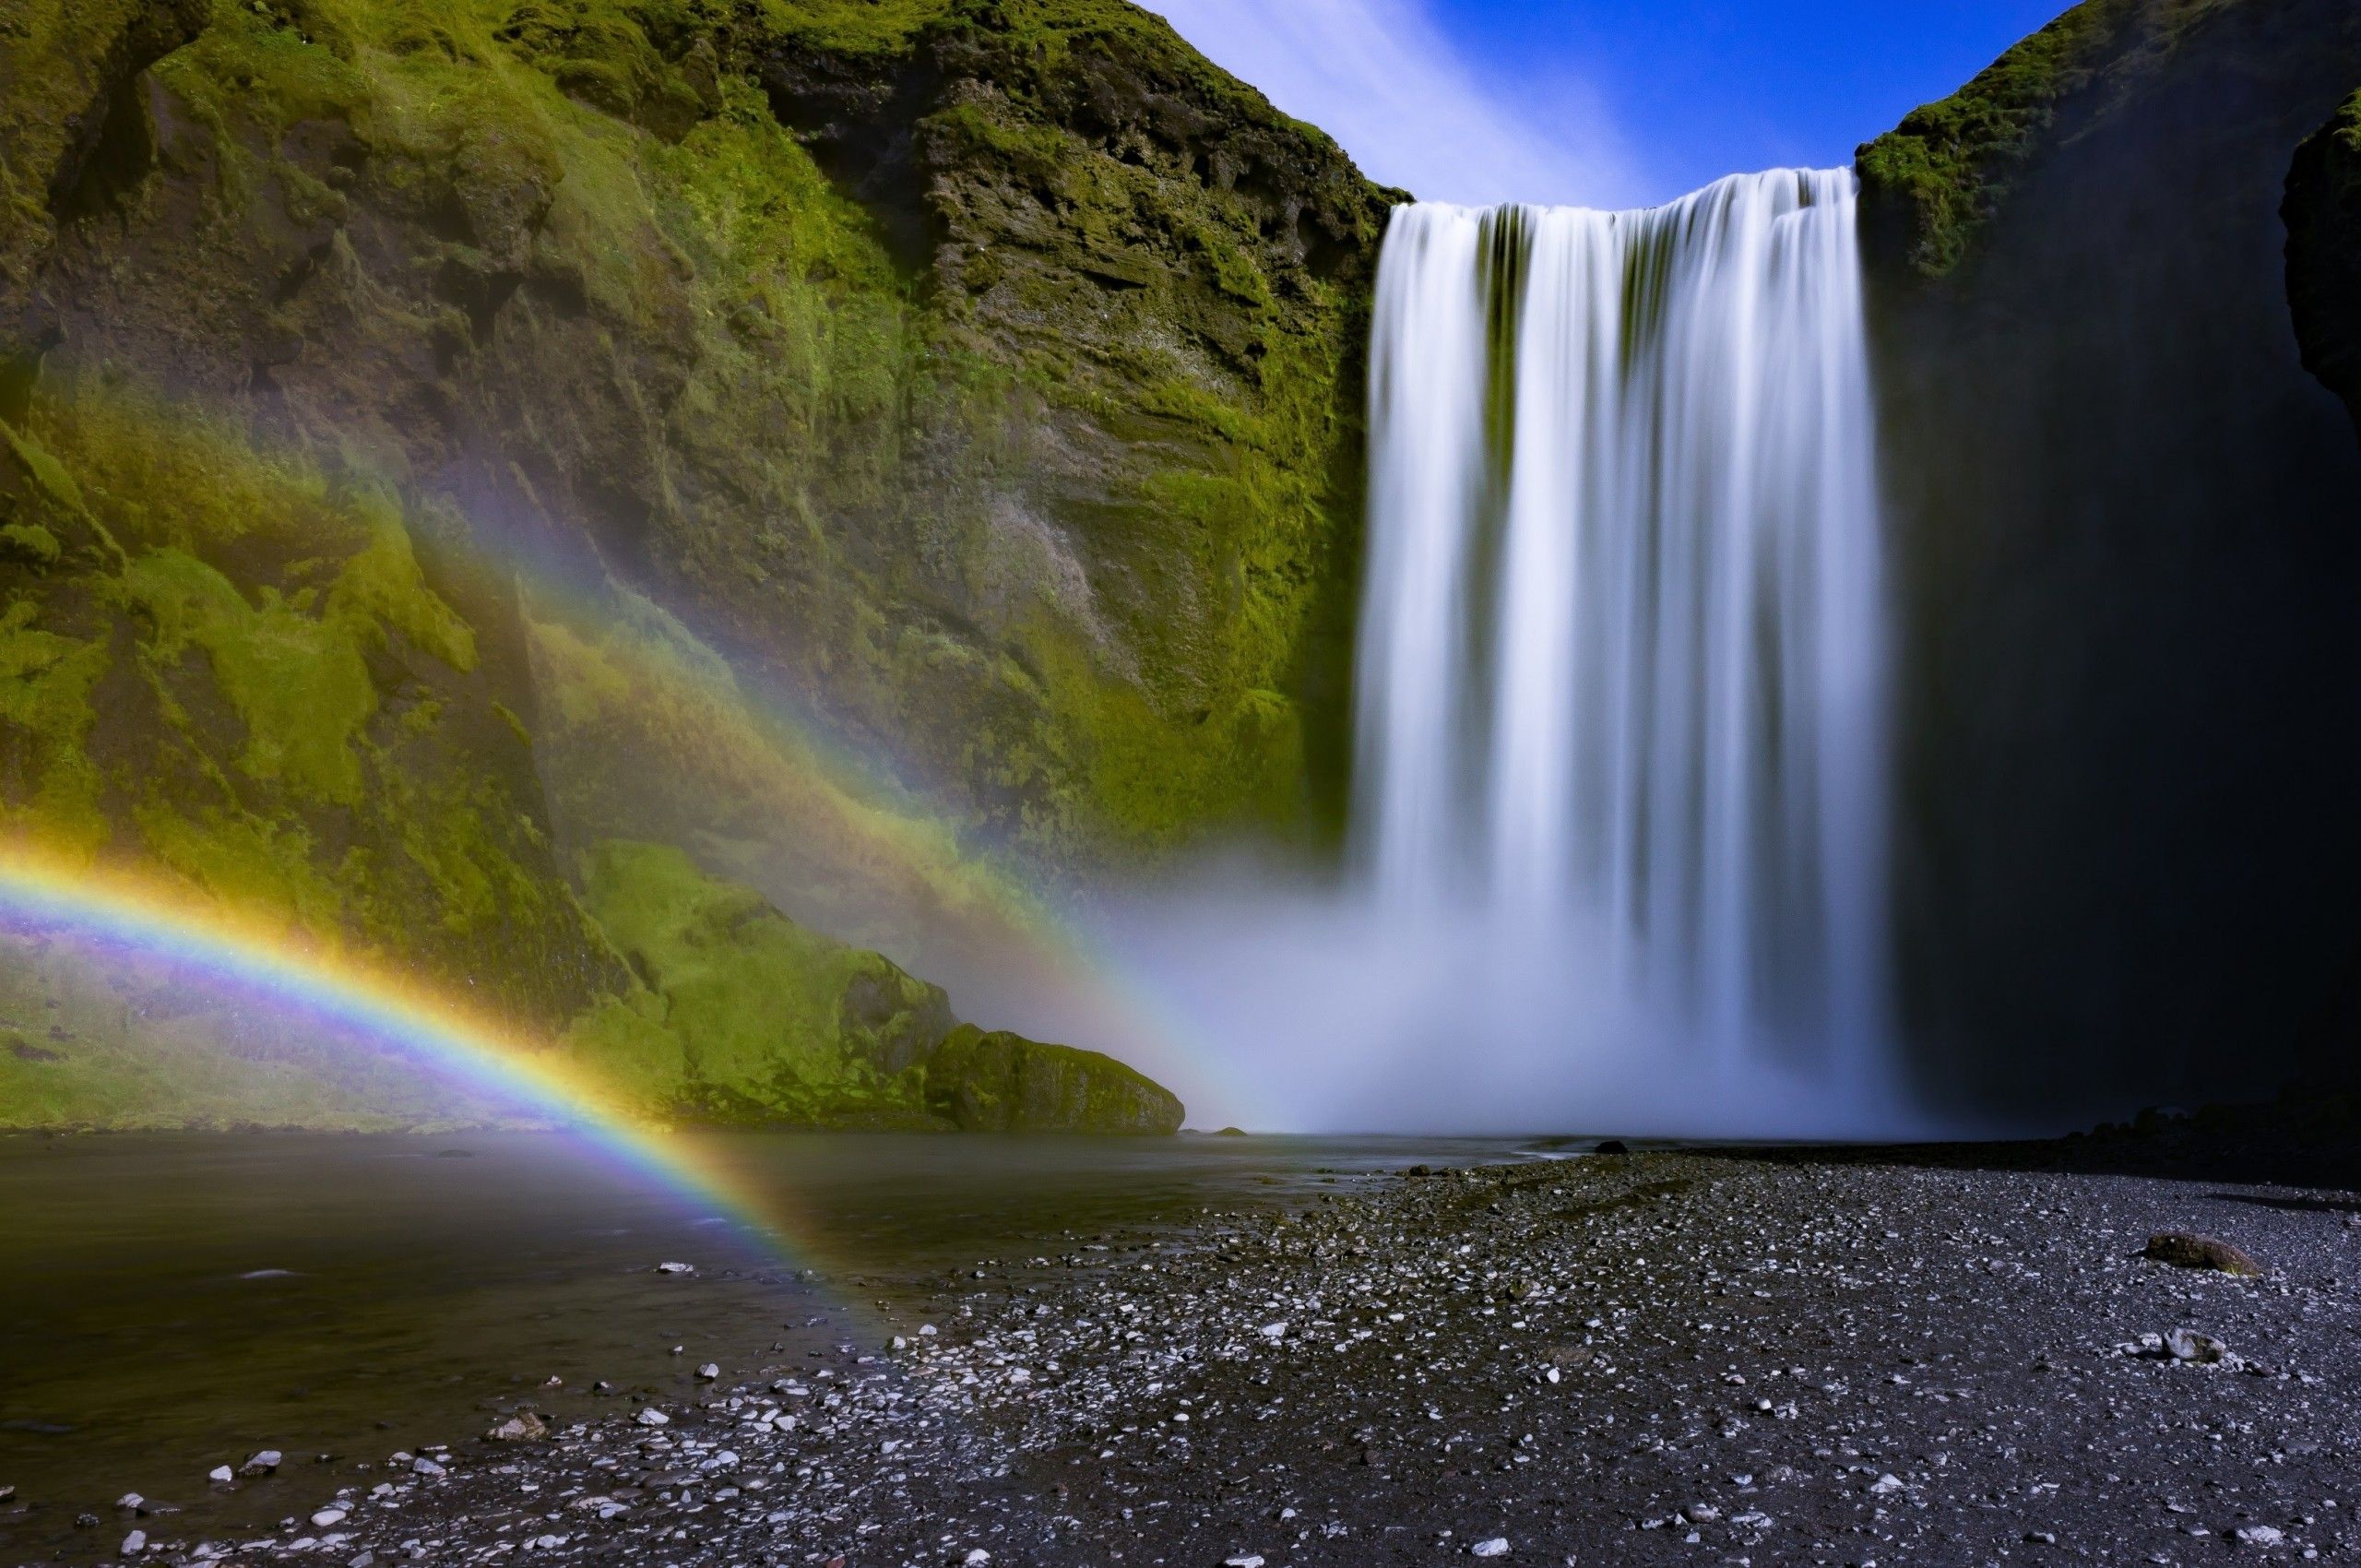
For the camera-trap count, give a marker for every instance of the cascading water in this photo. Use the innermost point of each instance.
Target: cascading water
(1623, 635)
(1620, 794)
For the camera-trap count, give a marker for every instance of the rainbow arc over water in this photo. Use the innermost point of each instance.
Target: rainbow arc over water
(44, 894)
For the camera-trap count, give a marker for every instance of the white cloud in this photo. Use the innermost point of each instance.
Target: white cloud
(1385, 81)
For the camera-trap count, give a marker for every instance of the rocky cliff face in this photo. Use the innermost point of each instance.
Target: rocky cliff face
(2322, 212)
(978, 377)
(2127, 524)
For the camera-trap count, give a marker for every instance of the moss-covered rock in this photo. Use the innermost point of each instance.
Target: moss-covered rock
(751, 1020)
(998, 1082)
(2322, 212)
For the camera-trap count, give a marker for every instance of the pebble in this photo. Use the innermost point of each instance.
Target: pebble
(327, 1517)
(422, 1466)
(523, 1426)
(134, 1544)
(1497, 1546)
(262, 1464)
(710, 1370)
(2261, 1535)
(653, 1419)
(130, 1500)
(2187, 1344)
(220, 1473)
(676, 1269)
(1243, 1560)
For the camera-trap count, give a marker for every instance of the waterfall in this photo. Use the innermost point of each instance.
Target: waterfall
(1623, 634)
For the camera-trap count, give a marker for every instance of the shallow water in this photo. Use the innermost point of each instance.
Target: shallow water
(176, 1302)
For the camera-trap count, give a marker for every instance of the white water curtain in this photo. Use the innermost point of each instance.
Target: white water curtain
(1624, 634)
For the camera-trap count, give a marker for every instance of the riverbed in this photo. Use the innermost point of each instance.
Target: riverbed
(1302, 1353)
(176, 1302)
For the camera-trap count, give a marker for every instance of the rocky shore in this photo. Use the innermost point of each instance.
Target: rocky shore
(1747, 1357)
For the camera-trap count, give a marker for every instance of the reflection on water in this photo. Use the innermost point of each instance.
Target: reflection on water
(172, 1302)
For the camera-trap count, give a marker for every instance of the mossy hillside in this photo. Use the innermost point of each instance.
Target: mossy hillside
(232, 666)
(643, 731)
(1060, 495)
(1933, 182)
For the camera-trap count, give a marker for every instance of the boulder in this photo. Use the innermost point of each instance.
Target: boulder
(2183, 1250)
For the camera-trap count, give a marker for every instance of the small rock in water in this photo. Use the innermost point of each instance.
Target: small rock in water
(1495, 1547)
(676, 1269)
(709, 1372)
(1612, 1146)
(2183, 1250)
(2187, 1344)
(261, 1464)
(422, 1466)
(130, 1500)
(653, 1419)
(2261, 1535)
(220, 1473)
(327, 1516)
(134, 1543)
(522, 1427)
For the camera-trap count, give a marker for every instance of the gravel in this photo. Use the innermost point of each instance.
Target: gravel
(1657, 1358)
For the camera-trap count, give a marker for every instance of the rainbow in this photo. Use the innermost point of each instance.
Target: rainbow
(46, 895)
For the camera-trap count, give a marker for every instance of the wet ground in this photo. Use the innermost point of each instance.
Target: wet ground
(1905, 1357)
(173, 1302)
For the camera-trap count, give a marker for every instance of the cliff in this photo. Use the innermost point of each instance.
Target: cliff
(978, 379)
(2322, 212)
(2125, 515)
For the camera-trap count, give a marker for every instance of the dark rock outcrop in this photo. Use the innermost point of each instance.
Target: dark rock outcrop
(2128, 563)
(2322, 212)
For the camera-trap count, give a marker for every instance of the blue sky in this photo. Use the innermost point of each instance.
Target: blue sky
(1604, 103)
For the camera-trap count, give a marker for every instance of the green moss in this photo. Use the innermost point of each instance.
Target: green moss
(46, 720)
(1948, 166)
(749, 1017)
(1003, 1083)
(32, 541)
(299, 684)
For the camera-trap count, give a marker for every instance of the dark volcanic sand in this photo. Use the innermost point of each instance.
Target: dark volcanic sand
(1846, 1358)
